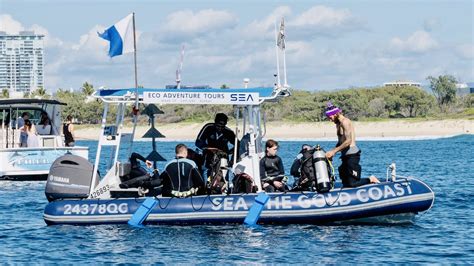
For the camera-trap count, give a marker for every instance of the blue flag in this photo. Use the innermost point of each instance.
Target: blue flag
(120, 36)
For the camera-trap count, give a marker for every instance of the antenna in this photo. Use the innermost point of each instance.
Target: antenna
(180, 68)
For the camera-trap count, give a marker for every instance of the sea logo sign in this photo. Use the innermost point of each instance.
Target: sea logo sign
(212, 97)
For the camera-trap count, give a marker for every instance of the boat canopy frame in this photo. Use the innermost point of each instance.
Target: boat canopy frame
(245, 100)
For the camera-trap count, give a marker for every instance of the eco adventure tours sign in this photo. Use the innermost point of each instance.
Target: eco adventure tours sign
(180, 97)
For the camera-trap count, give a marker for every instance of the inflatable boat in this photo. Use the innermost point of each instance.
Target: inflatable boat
(79, 195)
(399, 200)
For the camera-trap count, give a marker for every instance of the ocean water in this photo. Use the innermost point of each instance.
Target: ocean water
(443, 235)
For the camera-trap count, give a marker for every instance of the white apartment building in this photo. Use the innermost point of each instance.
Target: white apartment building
(402, 83)
(21, 62)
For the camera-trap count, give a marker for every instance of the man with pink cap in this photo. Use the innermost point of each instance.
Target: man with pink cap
(350, 169)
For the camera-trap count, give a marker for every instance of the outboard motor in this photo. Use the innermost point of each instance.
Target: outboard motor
(70, 176)
(323, 184)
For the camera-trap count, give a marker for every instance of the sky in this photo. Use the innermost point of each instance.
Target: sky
(329, 44)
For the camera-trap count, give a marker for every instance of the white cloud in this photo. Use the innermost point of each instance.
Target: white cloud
(465, 51)
(418, 42)
(327, 21)
(187, 23)
(9, 25)
(265, 28)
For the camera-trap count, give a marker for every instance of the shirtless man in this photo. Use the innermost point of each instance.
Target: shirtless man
(350, 169)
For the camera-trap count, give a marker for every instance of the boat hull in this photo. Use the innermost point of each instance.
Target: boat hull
(349, 204)
(33, 164)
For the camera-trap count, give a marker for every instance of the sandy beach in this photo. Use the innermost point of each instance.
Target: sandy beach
(392, 129)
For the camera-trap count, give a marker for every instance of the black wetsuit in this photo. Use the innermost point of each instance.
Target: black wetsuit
(271, 166)
(350, 170)
(181, 175)
(137, 170)
(210, 137)
(303, 170)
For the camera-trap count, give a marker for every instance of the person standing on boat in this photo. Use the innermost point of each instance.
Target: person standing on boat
(272, 172)
(215, 137)
(21, 123)
(68, 131)
(181, 177)
(350, 169)
(32, 138)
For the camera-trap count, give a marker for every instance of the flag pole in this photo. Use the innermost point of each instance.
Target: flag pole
(135, 108)
(284, 52)
(278, 61)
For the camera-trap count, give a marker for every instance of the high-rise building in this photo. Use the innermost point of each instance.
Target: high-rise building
(21, 62)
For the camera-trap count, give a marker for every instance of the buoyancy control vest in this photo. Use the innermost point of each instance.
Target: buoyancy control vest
(308, 175)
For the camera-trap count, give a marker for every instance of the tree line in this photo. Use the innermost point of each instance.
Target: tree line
(302, 106)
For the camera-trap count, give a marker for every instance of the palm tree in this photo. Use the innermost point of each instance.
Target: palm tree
(87, 89)
(41, 92)
(224, 86)
(5, 93)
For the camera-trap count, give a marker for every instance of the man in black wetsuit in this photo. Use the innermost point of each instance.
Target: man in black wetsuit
(350, 169)
(181, 177)
(215, 137)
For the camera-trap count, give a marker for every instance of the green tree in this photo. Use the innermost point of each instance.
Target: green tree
(224, 86)
(87, 89)
(444, 89)
(5, 93)
(39, 92)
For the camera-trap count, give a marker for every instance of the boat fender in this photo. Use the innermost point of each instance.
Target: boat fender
(142, 212)
(323, 184)
(256, 210)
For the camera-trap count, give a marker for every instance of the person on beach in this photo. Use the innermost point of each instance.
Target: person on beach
(272, 173)
(68, 131)
(350, 169)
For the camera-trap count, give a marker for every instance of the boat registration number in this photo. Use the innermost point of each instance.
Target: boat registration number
(85, 209)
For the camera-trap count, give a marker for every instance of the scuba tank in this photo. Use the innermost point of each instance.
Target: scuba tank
(323, 184)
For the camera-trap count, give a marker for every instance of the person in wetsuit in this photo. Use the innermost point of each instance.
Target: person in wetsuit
(303, 170)
(216, 135)
(350, 169)
(181, 177)
(214, 139)
(139, 176)
(272, 172)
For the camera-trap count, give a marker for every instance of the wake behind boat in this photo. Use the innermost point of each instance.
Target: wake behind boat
(20, 162)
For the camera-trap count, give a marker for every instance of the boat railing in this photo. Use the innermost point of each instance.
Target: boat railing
(10, 138)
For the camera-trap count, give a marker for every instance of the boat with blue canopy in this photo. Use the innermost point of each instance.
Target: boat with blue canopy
(78, 195)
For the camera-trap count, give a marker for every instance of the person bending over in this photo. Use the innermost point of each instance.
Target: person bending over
(350, 169)
(139, 176)
(181, 177)
(215, 137)
(272, 173)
